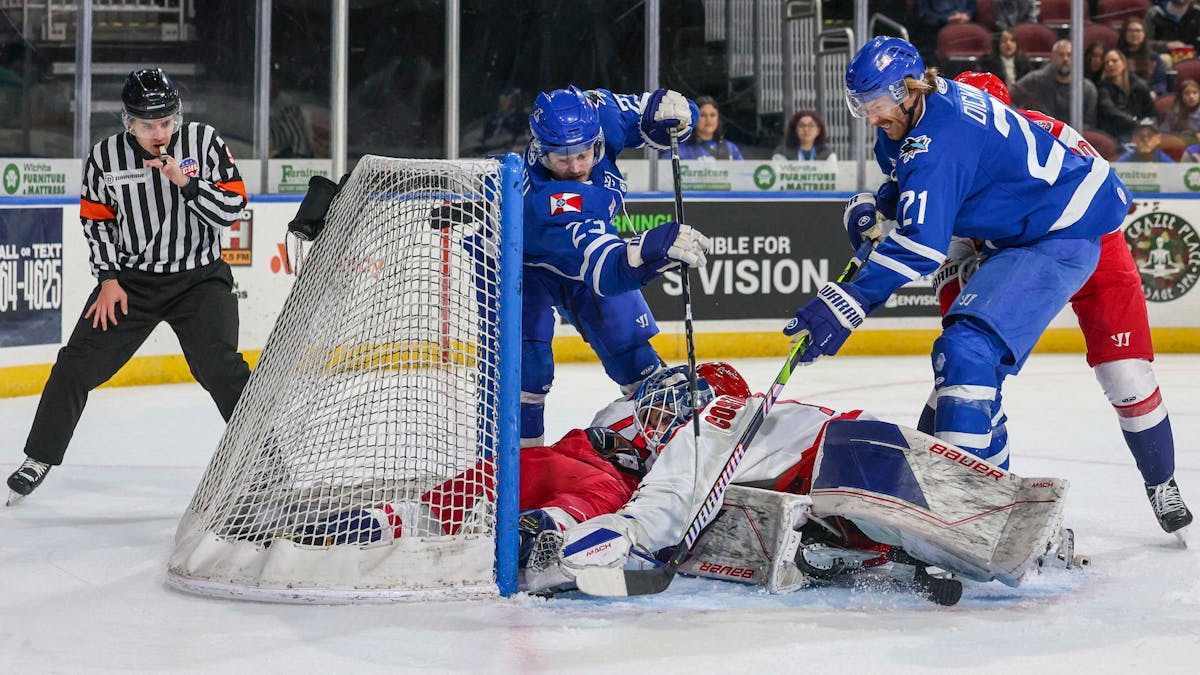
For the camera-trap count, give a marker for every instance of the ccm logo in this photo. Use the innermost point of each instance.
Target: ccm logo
(596, 549)
(727, 570)
(968, 460)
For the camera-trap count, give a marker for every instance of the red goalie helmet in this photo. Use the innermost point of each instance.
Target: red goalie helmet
(724, 380)
(986, 82)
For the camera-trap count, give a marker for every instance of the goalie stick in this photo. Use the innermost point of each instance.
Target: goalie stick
(607, 581)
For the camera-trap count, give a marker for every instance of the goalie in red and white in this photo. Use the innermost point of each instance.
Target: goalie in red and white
(898, 486)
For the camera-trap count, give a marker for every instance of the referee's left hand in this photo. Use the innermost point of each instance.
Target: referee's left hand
(104, 310)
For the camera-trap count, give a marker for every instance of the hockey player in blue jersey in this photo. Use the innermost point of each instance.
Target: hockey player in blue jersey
(574, 259)
(965, 164)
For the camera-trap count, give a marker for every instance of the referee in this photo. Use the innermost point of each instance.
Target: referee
(153, 201)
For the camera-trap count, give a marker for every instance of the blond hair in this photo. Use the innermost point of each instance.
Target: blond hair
(924, 86)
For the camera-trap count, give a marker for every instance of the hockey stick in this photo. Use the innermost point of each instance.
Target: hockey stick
(689, 334)
(612, 582)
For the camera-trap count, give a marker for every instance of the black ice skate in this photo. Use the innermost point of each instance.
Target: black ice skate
(1173, 515)
(30, 475)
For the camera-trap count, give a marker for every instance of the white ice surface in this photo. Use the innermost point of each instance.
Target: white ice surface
(82, 561)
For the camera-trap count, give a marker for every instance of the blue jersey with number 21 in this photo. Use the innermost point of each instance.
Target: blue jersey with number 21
(974, 167)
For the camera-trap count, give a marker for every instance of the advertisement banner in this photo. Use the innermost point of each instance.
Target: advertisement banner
(31, 280)
(1166, 250)
(40, 177)
(290, 176)
(768, 256)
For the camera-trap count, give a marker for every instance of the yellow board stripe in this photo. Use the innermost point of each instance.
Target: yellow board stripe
(143, 370)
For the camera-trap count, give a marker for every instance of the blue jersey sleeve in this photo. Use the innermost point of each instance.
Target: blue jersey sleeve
(568, 231)
(934, 179)
(621, 116)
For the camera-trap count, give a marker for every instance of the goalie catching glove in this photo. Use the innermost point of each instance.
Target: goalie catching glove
(667, 245)
(828, 318)
(665, 110)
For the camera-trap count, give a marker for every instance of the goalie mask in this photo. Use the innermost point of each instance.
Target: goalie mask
(662, 404)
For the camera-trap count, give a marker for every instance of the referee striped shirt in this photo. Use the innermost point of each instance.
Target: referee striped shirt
(135, 217)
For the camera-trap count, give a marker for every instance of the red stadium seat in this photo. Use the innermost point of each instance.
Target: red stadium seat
(1035, 39)
(1103, 143)
(1172, 145)
(961, 46)
(1102, 33)
(1055, 13)
(1187, 69)
(1114, 12)
(1162, 106)
(984, 16)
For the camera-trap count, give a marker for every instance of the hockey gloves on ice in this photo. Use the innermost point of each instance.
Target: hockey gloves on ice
(828, 318)
(310, 217)
(666, 245)
(665, 109)
(617, 449)
(870, 216)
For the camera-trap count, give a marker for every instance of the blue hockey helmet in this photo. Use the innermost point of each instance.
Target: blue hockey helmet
(878, 70)
(565, 122)
(663, 402)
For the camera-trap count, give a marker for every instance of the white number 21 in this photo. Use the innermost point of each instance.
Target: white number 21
(906, 199)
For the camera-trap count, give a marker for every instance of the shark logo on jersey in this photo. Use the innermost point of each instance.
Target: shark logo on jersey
(913, 146)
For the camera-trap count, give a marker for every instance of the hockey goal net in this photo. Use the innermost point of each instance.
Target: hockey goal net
(372, 455)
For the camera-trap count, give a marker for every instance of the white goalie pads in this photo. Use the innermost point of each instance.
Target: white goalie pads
(754, 540)
(942, 505)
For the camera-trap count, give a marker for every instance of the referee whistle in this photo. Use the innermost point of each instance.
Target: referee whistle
(162, 154)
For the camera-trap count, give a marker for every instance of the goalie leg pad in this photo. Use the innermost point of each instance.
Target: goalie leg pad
(754, 540)
(940, 503)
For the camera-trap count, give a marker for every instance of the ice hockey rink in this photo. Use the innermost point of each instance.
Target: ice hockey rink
(82, 561)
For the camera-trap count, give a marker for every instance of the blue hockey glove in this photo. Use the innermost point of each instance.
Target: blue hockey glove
(828, 318)
(886, 199)
(861, 219)
(668, 245)
(666, 109)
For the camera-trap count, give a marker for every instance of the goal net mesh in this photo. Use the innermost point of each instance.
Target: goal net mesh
(360, 463)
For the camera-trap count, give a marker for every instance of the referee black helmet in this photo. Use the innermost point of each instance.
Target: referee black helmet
(149, 94)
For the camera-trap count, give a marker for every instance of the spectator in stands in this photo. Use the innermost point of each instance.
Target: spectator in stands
(1183, 118)
(1142, 60)
(507, 129)
(804, 140)
(1145, 145)
(1093, 62)
(931, 16)
(708, 138)
(1007, 61)
(1124, 98)
(1048, 88)
(1009, 13)
(1172, 24)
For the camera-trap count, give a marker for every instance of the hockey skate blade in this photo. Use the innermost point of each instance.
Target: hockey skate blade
(604, 582)
(13, 498)
(1181, 536)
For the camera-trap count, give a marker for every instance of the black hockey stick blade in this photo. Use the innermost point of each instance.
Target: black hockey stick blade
(611, 582)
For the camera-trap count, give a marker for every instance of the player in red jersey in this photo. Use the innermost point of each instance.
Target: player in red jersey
(1111, 308)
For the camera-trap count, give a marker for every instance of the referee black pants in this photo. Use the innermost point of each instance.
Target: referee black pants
(200, 307)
